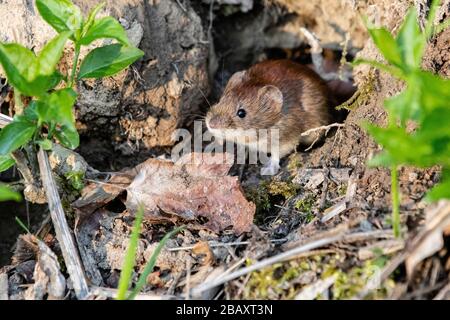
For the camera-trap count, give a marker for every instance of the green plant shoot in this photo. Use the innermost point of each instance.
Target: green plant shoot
(130, 259)
(49, 115)
(425, 101)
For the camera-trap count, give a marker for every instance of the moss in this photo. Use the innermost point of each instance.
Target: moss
(274, 282)
(75, 178)
(342, 190)
(351, 282)
(281, 280)
(305, 206)
(282, 188)
(360, 96)
(294, 163)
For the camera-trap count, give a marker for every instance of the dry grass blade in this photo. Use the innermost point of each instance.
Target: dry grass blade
(4, 120)
(62, 230)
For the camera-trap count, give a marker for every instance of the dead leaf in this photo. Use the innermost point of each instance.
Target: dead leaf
(97, 195)
(196, 187)
(430, 239)
(191, 190)
(48, 279)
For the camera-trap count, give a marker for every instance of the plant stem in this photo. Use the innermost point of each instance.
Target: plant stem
(75, 65)
(395, 202)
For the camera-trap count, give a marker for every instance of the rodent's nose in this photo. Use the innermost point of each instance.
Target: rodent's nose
(214, 122)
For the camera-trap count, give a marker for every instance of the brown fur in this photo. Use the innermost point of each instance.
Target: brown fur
(304, 104)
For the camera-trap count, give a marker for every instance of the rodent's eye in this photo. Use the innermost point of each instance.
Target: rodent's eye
(241, 113)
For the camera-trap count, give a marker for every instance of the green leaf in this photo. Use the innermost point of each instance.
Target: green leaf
(441, 190)
(6, 162)
(15, 135)
(405, 105)
(395, 71)
(401, 147)
(411, 41)
(19, 65)
(386, 43)
(106, 27)
(429, 28)
(57, 107)
(91, 18)
(62, 15)
(49, 56)
(434, 90)
(68, 137)
(46, 144)
(7, 194)
(108, 60)
(32, 75)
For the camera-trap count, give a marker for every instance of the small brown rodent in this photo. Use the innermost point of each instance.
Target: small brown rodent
(275, 94)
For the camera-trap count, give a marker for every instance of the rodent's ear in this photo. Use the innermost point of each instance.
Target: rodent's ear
(236, 79)
(272, 94)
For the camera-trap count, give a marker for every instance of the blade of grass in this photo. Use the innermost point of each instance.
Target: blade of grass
(151, 263)
(22, 225)
(130, 257)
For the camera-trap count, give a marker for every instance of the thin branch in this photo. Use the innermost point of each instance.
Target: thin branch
(265, 263)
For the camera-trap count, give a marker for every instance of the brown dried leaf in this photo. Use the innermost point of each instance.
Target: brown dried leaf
(48, 279)
(97, 195)
(192, 189)
(430, 239)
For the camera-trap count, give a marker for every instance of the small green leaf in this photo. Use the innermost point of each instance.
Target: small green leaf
(57, 107)
(6, 194)
(91, 18)
(6, 162)
(19, 65)
(411, 41)
(49, 56)
(441, 190)
(32, 75)
(395, 71)
(106, 27)
(15, 135)
(68, 137)
(429, 28)
(405, 105)
(76, 179)
(401, 147)
(46, 144)
(108, 60)
(386, 43)
(62, 15)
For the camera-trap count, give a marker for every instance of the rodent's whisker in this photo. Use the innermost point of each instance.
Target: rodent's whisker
(206, 99)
